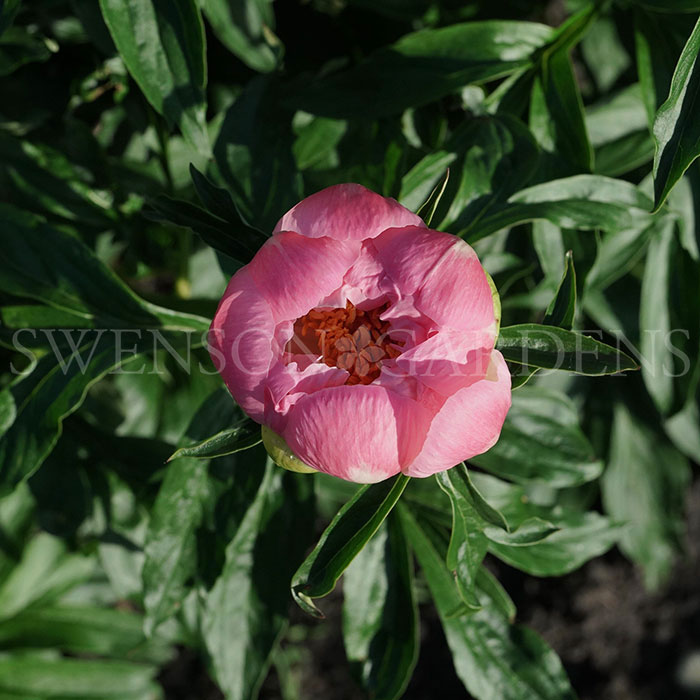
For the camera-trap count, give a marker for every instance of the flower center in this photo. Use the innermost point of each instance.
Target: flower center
(351, 339)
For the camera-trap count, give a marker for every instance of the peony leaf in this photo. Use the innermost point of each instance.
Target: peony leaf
(548, 347)
(676, 129)
(434, 62)
(541, 442)
(350, 530)
(380, 615)
(494, 659)
(163, 47)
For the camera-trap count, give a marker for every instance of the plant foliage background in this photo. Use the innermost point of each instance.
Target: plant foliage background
(147, 148)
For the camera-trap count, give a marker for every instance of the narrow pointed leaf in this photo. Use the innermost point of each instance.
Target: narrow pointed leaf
(562, 309)
(676, 129)
(247, 609)
(380, 617)
(494, 659)
(350, 530)
(548, 347)
(163, 47)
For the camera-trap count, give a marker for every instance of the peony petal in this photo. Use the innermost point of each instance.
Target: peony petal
(346, 212)
(468, 423)
(449, 359)
(241, 342)
(295, 273)
(286, 384)
(442, 272)
(366, 284)
(359, 433)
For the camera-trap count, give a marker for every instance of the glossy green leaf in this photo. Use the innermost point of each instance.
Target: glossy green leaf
(68, 276)
(349, 531)
(317, 139)
(655, 316)
(170, 541)
(51, 392)
(618, 252)
(75, 679)
(578, 537)
(542, 442)
(489, 158)
(44, 179)
(619, 132)
(676, 131)
(226, 442)
(435, 62)
(605, 55)
(529, 532)
(380, 616)
(494, 659)
(643, 488)
(246, 28)
(83, 630)
(468, 544)
(457, 481)
(45, 571)
(586, 202)
(220, 235)
(548, 347)
(247, 609)
(556, 113)
(427, 209)
(561, 311)
(253, 153)
(163, 47)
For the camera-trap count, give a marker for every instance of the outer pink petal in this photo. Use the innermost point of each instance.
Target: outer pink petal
(359, 433)
(346, 212)
(468, 424)
(444, 275)
(241, 342)
(294, 273)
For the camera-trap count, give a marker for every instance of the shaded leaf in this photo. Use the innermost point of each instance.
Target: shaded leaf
(245, 27)
(676, 129)
(380, 616)
(83, 630)
(494, 659)
(47, 264)
(349, 531)
(247, 609)
(541, 442)
(587, 202)
(38, 677)
(253, 153)
(163, 47)
(435, 62)
(643, 488)
(561, 311)
(177, 512)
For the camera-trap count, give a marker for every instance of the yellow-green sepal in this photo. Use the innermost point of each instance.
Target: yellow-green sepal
(281, 454)
(496, 302)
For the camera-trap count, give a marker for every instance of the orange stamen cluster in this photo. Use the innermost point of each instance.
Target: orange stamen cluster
(349, 338)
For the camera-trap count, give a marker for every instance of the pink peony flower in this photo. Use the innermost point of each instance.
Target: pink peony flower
(365, 340)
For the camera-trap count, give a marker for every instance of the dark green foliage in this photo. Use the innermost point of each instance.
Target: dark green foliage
(147, 150)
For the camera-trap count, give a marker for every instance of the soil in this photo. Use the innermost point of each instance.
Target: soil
(617, 640)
